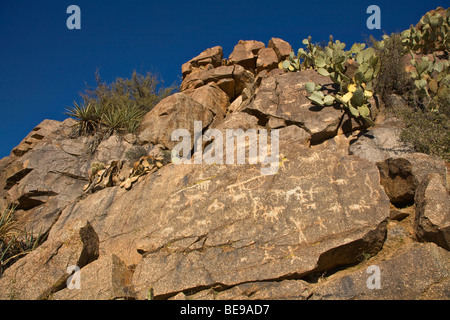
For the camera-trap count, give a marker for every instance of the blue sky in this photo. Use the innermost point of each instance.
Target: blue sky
(44, 65)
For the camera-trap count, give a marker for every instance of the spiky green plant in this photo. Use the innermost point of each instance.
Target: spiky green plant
(118, 106)
(87, 116)
(14, 243)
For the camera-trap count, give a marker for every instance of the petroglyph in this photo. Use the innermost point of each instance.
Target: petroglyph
(299, 227)
(300, 195)
(273, 213)
(216, 206)
(241, 185)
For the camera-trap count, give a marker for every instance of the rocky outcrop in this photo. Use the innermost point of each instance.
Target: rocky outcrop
(139, 226)
(420, 271)
(45, 270)
(432, 220)
(401, 176)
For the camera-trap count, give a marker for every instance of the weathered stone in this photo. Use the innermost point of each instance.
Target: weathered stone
(213, 98)
(227, 86)
(104, 279)
(282, 48)
(420, 271)
(270, 290)
(238, 120)
(46, 180)
(381, 142)
(228, 238)
(285, 97)
(400, 176)
(111, 149)
(42, 130)
(231, 79)
(202, 225)
(244, 54)
(293, 134)
(177, 111)
(275, 123)
(235, 105)
(432, 221)
(244, 80)
(267, 60)
(44, 271)
(211, 56)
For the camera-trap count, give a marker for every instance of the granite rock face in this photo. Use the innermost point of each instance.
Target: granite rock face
(224, 229)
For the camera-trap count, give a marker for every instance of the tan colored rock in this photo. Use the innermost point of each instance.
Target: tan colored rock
(231, 79)
(178, 111)
(401, 175)
(228, 86)
(284, 96)
(44, 271)
(281, 48)
(238, 120)
(267, 60)
(293, 134)
(381, 142)
(104, 279)
(244, 80)
(211, 56)
(432, 220)
(244, 54)
(212, 97)
(268, 290)
(235, 105)
(418, 272)
(307, 227)
(42, 130)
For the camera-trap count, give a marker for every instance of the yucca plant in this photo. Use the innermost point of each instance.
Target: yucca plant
(87, 116)
(119, 106)
(14, 243)
(112, 119)
(131, 117)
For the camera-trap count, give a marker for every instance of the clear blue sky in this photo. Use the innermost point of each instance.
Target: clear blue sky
(44, 65)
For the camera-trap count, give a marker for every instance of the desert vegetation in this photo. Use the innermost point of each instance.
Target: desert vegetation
(118, 106)
(14, 242)
(413, 64)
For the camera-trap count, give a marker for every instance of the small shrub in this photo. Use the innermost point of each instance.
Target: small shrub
(14, 243)
(119, 106)
(392, 77)
(135, 153)
(427, 131)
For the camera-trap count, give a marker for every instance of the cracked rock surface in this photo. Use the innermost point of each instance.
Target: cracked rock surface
(227, 231)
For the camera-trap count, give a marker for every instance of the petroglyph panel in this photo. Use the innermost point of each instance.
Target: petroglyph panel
(280, 224)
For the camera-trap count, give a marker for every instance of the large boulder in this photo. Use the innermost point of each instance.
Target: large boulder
(215, 228)
(245, 54)
(45, 270)
(267, 60)
(419, 271)
(178, 111)
(432, 220)
(193, 226)
(212, 56)
(285, 97)
(104, 279)
(401, 175)
(282, 48)
(381, 142)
